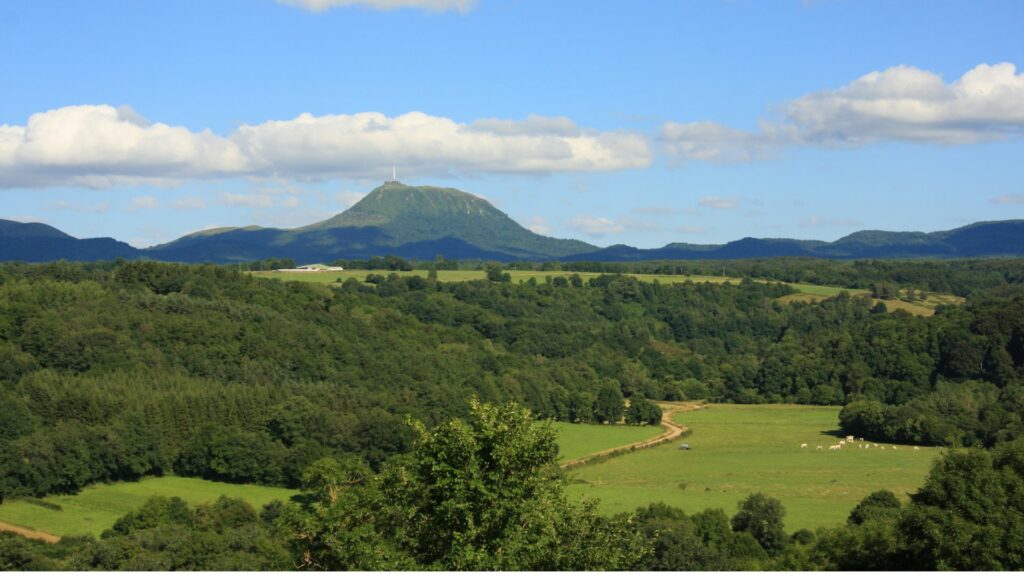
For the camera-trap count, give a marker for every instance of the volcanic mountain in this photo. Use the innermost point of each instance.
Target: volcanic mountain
(420, 222)
(410, 221)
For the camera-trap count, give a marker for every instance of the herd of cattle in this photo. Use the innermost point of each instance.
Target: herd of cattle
(850, 440)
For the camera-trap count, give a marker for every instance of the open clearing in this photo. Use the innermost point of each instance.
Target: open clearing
(577, 440)
(97, 507)
(807, 292)
(465, 275)
(737, 450)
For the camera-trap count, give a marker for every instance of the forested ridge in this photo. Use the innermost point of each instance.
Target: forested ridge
(114, 371)
(121, 370)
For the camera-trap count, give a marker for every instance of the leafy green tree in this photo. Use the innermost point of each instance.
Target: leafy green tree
(762, 516)
(642, 411)
(609, 405)
(882, 503)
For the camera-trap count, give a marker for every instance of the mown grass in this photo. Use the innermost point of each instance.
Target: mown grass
(577, 440)
(96, 508)
(738, 450)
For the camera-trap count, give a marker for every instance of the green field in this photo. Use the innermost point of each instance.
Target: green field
(96, 508)
(576, 440)
(737, 450)
(464, 275)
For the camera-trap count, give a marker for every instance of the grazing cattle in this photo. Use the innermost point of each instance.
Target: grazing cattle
(849, 438)
(882, 447)
(819, 448)
(804, 445)
(916, 448)
(841, 442)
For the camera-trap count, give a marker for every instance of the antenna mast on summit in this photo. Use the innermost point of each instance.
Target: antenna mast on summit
(394, 173)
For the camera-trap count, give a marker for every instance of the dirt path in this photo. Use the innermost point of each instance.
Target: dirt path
(29, 533)
(671, 432)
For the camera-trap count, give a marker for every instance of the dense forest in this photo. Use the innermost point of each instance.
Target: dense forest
(485, 493)
(115, 371)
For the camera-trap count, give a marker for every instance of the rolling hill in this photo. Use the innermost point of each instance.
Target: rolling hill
(421, 222)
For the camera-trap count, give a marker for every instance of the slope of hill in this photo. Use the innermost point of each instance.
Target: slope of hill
(410, 221)
(35, 242)
(421, 222)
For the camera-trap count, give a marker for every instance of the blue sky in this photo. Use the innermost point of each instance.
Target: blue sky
(614, 122)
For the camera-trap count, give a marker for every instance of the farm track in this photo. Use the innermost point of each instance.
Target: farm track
(671, 432)
(29, 533)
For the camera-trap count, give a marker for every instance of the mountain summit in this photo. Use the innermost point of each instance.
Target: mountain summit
(411, 221)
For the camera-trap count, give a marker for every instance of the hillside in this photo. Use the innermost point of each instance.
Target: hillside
(410, 221)
(35, 242)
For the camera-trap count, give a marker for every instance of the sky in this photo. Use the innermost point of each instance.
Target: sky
(639, 123)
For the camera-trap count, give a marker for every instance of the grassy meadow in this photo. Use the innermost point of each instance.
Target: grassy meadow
(577, 440)
(737, 450)
(97, 507)
(518, 276)
(807, 292)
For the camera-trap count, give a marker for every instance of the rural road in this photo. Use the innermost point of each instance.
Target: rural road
(29, 533)
(671, 432)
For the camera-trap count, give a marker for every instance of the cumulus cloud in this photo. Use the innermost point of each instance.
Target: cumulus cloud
(368, 144)
(144, 203)
(1008, 199)
(103, 146)
(431, 5)
(596, 225)
(690, 229)
(902, 103)
(538, 225)
(815, 221)
(189, 203)
(349, 199)
(247, 200)
(64, 205)
(718, 202)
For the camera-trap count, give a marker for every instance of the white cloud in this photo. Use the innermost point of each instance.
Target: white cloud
(144, 203)
(247, 200)
(718, 202)
(538, 225)
(64, 205)
(815, 220)
(101, 146)
(189, 203)
(596, 225)
(1008, 199)
(431, 5)
(690, 229)
(367, 145)
(902, 103)
(349, 199)
(290, 202)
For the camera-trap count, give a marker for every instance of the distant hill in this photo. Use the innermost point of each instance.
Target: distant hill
(423, 221)
(34, 242)
(410, 221)
(1001, 238)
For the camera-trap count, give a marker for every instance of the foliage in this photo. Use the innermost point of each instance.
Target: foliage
(476, 494)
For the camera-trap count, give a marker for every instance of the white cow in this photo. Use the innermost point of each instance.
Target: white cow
(804, 445)
(818, 448)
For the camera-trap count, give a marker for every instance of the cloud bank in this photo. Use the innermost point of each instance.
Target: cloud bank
(102, 146)
(902, 103)
(430, 5)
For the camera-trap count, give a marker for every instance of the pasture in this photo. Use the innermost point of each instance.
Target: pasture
(740, 449)
(518, 276)
(577, 440)
(97, 507)
(806, 292)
